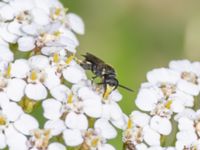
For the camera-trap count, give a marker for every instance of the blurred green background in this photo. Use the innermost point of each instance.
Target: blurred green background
(135, 36)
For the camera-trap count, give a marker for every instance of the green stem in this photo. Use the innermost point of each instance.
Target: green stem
(170, 139)
(91, 122)
(197, 103)
(124, 147)
(18, 54)
(73, 148)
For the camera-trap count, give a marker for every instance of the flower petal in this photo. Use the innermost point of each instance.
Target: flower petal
(15, 89)
(161, 125)
(73, 120)
(26, 43)
(56, 146)
(140, 119)
(73, 74)
(26, 123)
(151, 137)
(2, 141)
(14, 139)
(106, 147)
(56, 126)
(52, 109)
(60, 92)
(106, 129)
(72, 137)
(40, 17)
(6, 54)
(20, 68)
(146, 99)
(39, 62)
(36, 91)
(163, 75)
(76, 23)
(93, 107)
(12, 111)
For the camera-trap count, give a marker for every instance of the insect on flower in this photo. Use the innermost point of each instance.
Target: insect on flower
(104, 71)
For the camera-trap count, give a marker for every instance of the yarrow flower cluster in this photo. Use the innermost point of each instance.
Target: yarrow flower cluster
(39, 70)
(38, 67)
(169, 97)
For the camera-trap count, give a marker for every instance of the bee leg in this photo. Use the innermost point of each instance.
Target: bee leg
(86, 66)
(93, 78)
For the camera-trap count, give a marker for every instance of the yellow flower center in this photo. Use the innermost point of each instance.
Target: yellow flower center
(57, 33)
(57, 11)
(42, 138)
(69, 59)
(8, 71)
(168, 104)
(130, 124)
(2, 120)
(70, 99)
(95, 142)
(33, 75)
(56, 58)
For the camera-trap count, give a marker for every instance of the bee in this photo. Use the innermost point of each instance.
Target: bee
(106, 72)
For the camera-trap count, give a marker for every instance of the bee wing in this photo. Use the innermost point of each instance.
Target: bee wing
(93, 59)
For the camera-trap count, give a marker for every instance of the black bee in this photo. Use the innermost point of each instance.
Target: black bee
(104, 71)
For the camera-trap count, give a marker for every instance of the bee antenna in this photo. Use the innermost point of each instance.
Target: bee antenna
(124, 87)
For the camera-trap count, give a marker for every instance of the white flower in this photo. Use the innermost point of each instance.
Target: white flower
(75, 23)
(65, 66)
(189, 131)
(151, 137)
(161, 125)
(107, 130)
(56, 146)
(33, 25)
(72, 137)
(104, 108)
(39, 139)
(147, 98)
(189, 76)
(163, 75)
(166, 80)
(6, 54)
(138, 132)
(91, 138)
(14, 125)
(68, 106)
(13, 87)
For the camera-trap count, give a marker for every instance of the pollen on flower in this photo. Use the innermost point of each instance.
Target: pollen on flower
(57, 33)
(130, 124)
(33, 75)
(92, 139)
(3, 83)
(69, 59)
(162, 109)
(2, 120)
(168, 89)
(56, 58)
(168, 104)
(190, 77)
(8, 71)
(70, 99)
(40, 139)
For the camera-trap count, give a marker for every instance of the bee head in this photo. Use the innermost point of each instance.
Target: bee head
(110, 84)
